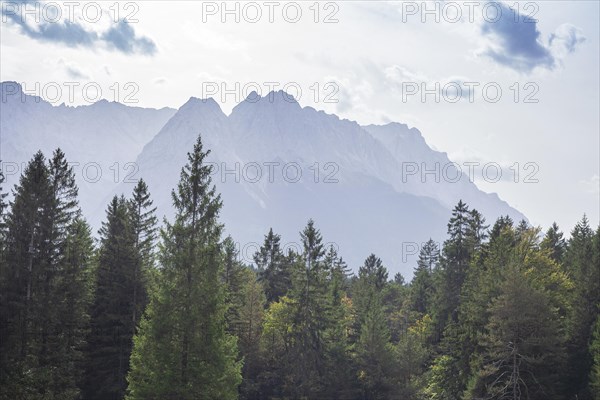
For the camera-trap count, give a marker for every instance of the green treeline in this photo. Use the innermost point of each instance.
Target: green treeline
(500, 311)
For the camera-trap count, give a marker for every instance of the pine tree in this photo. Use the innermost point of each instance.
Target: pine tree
(375, 356)
(477, 230)
(182, 349)
(143, 226)
(373, 348)
(521, 228)
(249, 331)
(66, 281)
(482, 284)
(44, 300)
(3, 206)
(76, 285)
(586, 302)
(457, 252)
(3, 232)
(373, 272)
(28, 231)
(554, 242)
(595, 353)
(411, 354)
(461, 260)
(309, 293)
(112, 326)
(339, 371)
(422, 283)
(522, 344)
(245, 300)
(366, 290)
(273, 270)
(501, 224)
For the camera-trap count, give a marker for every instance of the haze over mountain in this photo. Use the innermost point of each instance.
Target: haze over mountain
(277, 164)
(99, 139)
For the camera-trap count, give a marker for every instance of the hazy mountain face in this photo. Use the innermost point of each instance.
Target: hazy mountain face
(101, 140)
(275, 163)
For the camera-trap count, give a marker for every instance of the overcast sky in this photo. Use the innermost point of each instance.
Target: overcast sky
(365, 61)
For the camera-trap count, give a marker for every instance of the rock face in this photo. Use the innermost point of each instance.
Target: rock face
(277, 164)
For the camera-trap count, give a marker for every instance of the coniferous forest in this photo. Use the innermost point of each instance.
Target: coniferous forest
(165, 310)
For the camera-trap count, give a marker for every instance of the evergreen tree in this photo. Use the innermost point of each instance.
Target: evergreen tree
(501, 224)
(373, 348)
(555, 243)
(22, 373)
(461, 260)
(522, 344)
(249, 332)
(68, 278)
(3, 206)
(339, 371)
(112, 327)
(143, 226)
(233, 276)
(373, 272)
(411, 353)
(422, 283)
(44, 296)
(477, 230)
(309, 293)
(521, 228)
(585, 306)
(245, 300)
(273, 270)
(182, 349)
(76, 284)
(399, 279)
(457, 252)
(374, 354)
(595, 353)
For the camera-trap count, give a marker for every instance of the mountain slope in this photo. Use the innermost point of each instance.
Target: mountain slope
(102, 140)
(277, 164)
(350, 177)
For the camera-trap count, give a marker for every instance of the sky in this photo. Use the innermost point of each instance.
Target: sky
(510, 87)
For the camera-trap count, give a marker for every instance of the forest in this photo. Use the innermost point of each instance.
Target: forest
(166, 310)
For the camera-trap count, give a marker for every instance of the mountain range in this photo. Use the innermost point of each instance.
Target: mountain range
(370, 189)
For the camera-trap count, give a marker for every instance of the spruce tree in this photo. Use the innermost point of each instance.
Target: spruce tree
(3, 206)
(273, 271)
(182, 350)
(143, 226)
(44, 288)
(585, 305)
(65, 283)
(374, 354)
(339, 372)
(373, 272)
(249, 331)
(522, 346)
(467, 231)
(112, 327)
(501, 223)
(309, 293)
(28, 231)
(555, 243)
(373, 348)
(595, 353)
(457, 252)
(422, 283)
(76, 284)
